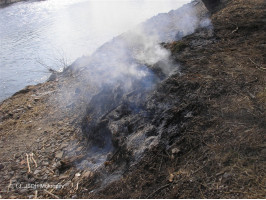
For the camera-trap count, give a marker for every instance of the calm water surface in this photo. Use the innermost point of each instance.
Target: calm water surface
(35, 34)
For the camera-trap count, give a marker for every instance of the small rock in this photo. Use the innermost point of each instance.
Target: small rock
(175, 151)
(59, 154)
(171, 178)
(189, 115)
(77, 174)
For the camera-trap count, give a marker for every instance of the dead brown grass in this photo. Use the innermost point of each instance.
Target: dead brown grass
(223, 147)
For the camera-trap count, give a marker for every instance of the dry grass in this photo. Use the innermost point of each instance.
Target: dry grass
(223, 145)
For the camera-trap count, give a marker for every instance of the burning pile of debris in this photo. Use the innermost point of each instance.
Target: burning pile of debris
(126, 72)
(122, 120)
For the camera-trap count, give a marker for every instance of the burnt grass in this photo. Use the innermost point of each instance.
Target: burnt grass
(215, 116)
(209, 118)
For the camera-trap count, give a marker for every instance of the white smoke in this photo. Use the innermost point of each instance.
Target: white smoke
(128, 57)
(145, 48)
(125, 58)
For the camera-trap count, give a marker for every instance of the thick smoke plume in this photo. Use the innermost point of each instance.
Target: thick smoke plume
(124, 65)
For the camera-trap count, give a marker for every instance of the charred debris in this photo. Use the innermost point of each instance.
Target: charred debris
(191, 135)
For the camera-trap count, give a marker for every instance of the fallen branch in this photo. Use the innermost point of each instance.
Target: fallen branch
(53, 195)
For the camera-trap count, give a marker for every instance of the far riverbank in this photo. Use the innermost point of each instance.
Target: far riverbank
(7, 2)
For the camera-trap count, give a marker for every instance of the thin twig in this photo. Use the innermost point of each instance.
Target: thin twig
(258, 66)
(33, 160)
(77, 186)
(10, 183)
(165, 186)
(236, 29)
(53, 195)
(29, 171)
(50, 170)
(161, 164)
(198, 170)
(36, 194)
(50, 69)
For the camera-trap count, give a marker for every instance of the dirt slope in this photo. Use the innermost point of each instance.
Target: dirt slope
(210, 121)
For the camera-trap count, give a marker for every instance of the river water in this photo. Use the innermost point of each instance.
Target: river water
(52, 33)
